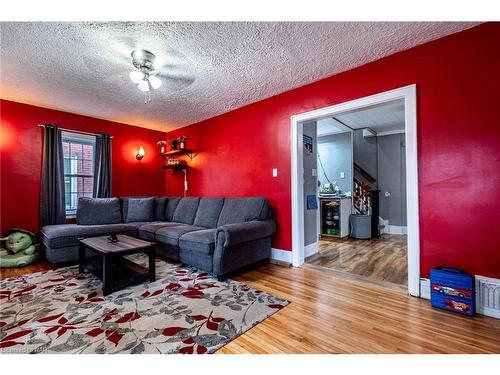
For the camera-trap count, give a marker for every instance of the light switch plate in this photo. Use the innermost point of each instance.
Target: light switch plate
(342, 175)
(275, 172)
(314, 172)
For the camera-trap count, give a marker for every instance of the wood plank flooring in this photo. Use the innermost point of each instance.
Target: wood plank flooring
(383, 259)
(333, 314)
(40, 266)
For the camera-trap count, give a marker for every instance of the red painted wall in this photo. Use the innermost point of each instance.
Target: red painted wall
(458, 83)
(21, 158)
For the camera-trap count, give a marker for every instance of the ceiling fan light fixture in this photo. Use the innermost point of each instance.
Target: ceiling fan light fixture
(136, 76)
(143, 76)
(155, 82)
(143, 85)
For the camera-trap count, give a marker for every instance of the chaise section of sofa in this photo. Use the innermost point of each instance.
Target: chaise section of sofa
(61, 241)
(217, 235)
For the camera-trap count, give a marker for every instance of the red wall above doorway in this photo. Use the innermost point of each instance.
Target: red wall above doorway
(458, 83)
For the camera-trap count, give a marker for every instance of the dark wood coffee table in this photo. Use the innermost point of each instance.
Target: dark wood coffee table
(114, 270)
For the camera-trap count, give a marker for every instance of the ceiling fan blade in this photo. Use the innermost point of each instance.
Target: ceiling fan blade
(173, 83)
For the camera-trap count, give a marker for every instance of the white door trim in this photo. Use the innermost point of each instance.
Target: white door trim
(408, 93)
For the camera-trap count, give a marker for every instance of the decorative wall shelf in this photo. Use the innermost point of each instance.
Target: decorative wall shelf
(175, 167)
(184, 151)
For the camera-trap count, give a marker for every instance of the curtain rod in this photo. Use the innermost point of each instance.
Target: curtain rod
(73, 131)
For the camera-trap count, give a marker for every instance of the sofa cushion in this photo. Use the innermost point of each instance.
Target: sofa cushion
(139, 224)
(62, 235)
(240, 210)
(140, 209)
(147, 230)
(170, 235)
(124, 205)
(208, 212)
(186, 210)
(202, 241)
(98, 211)
(170, 207)
(160, 206)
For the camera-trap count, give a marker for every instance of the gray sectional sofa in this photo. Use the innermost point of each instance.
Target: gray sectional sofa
(217, 235)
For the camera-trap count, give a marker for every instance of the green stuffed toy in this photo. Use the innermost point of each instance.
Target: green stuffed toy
(19, 249)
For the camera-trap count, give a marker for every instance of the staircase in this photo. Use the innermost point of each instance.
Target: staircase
(366, 197)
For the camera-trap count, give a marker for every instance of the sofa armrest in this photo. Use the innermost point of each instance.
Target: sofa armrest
(233, 234)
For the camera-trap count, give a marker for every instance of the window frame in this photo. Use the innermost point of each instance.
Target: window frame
(79, 139)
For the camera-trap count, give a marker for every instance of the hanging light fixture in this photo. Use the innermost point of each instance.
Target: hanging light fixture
(143, 85)
(144, 77)
(136, 76)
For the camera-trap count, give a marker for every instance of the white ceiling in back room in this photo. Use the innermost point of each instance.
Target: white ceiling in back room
(384, 118)
(207, 68)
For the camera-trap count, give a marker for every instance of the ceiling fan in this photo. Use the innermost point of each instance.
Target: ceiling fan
(144, 76)
(167, 68)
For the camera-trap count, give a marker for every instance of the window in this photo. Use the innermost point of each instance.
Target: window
(78, 151)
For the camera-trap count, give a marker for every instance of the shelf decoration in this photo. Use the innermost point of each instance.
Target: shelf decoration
(174, 143)
(182, 141)
(178, 148)
(162, 146)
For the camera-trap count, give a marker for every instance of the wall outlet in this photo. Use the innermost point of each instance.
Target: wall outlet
(275, 172)
(342, 175)
(314, 172)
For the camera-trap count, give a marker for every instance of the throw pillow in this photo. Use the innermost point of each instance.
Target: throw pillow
(140, 209)
(98, 211)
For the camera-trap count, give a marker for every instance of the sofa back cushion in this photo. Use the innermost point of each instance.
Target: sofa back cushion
(208, 212)
(124, 205)
(170, 207)
(98, 211)
(160, 207)
(140, 209)
(240, 210)
(186, 210)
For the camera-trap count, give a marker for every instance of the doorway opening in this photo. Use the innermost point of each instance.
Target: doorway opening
(354, 188)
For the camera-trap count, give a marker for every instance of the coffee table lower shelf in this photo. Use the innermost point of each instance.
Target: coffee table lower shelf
(125, 272)
(110, 265)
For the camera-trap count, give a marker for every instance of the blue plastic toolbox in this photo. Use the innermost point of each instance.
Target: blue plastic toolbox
(453, 290)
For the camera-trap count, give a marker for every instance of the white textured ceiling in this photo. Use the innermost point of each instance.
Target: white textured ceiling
(83, 67)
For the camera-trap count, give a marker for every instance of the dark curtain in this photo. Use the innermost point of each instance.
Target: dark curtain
(52, 202)
(102, 166)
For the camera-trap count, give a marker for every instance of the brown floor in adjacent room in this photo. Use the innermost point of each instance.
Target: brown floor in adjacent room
(332, 314)
(382, 259)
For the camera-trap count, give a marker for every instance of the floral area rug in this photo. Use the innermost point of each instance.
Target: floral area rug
(184, 311)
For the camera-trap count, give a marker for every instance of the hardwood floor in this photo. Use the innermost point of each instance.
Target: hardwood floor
(332, 314)
(40, 266)
(383, 259)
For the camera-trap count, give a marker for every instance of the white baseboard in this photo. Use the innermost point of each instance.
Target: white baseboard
(425, 288)
(281, 255)
(394, 229)
(311, 249)
(397, 229)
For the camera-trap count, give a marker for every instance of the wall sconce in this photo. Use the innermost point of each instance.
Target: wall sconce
(140, 153)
